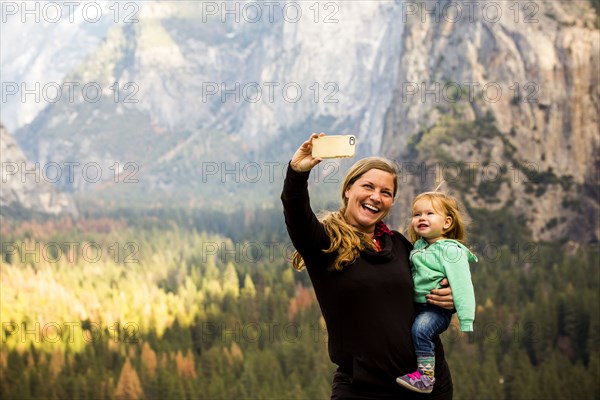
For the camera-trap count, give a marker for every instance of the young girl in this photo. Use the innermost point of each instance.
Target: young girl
(437, 231)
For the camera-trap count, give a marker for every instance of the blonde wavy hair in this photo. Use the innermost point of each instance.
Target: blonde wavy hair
(446, 205)
(346, 240)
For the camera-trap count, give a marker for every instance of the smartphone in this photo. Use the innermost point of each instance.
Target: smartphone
(335, 146)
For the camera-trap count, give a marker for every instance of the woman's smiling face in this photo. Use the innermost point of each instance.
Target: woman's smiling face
(370, 198)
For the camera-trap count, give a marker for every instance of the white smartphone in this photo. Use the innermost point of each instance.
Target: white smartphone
(334, 146)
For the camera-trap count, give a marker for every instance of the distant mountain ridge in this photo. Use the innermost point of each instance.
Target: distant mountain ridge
(192, 90)
(184, 93)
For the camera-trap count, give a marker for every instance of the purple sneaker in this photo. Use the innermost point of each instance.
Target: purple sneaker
(416, 382)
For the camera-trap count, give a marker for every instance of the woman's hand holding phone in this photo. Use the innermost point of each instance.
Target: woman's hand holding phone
(303, 160)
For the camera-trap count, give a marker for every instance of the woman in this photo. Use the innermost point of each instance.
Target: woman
(362, 279)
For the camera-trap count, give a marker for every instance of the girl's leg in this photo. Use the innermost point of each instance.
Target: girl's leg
(430, 321)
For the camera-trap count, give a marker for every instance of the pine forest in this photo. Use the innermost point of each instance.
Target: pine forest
(175, 304)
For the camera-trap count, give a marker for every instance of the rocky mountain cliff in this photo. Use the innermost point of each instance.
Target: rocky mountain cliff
(498, 98)
(513, 121)
(196, 87)
(24, 188)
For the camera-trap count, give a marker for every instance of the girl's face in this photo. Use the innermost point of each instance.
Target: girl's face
(428, 222)
(369, 199)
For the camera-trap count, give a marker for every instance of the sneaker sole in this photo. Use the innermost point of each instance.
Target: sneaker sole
(410, 387)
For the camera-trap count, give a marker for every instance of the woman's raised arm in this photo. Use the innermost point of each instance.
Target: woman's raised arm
(306, 232)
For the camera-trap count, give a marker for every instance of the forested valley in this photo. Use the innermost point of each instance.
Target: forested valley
(180, 304)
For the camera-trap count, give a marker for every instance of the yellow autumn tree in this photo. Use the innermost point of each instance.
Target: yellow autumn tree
(149, 360)
(231, 282)
(56, 362)
(233, 354)
(129, 386)
(186, 366)
(249, 289)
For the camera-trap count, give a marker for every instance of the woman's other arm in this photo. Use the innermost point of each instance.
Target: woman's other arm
(442, 297)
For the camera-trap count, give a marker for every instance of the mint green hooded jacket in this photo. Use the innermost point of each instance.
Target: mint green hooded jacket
(450, 259)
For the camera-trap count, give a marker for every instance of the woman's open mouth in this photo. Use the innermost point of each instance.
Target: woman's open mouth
(370, 208)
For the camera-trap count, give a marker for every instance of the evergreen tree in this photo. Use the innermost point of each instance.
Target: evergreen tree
(519, 376)
(16, 380)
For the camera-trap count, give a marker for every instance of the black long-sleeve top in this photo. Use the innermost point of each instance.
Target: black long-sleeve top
(368, 306)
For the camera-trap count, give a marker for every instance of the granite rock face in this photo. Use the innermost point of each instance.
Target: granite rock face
(25, 186)
(182, 82)
(532, 74)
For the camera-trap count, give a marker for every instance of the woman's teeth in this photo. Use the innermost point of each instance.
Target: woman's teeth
(371, 208)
